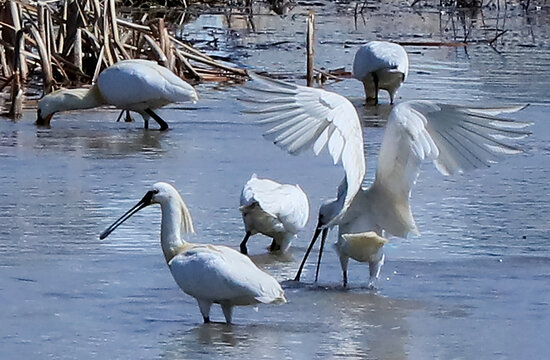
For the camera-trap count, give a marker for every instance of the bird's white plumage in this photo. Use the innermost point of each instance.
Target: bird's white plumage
(225, 275)
(362, 247)
(380, 55)
(209, 273)
(455, 138)
(140, 84)
(301, 118)
(135, 85)
(381, 65)
(276, 210)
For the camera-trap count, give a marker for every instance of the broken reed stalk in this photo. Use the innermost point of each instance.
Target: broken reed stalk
(15, 13)
(16, 107)
(77, 51)
(310, 47)
(44, 60)
(114, 29)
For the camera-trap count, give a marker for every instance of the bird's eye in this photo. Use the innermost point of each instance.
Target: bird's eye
(156, 191)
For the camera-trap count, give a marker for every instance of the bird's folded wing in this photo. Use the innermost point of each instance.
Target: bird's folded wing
(142, 81)
(301, 118)
(221, 273)
(455, 138)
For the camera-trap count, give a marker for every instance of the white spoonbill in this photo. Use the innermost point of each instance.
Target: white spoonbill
(454, 138)
(380, 65)
(209, 273)
(135, 85)
(276, 210)
(362, 247)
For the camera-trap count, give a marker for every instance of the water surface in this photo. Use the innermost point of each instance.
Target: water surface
(473, 285)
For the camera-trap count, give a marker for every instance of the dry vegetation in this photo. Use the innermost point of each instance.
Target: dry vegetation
(55, 44)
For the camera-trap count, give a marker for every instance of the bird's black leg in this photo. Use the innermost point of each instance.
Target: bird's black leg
(315, 236)
(158, 119)
(128, 117)
(345, 277)
(274, 246)
(375, 80)
(323, 238)
(120, 115)
(206, 319)
(244, 250)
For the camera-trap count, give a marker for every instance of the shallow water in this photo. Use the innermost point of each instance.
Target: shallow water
(474, 285)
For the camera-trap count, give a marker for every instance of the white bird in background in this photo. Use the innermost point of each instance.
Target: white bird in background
(276, 210)
(209, 273)
(362, 247)
(380, 65)
(135, 85)
(454, 138)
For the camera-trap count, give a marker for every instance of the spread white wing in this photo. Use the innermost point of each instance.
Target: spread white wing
(302, 117)
(455, 138)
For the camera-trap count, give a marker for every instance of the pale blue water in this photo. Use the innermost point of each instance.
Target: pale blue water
(470, 287)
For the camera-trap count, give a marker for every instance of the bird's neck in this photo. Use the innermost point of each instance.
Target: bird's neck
(334, 210)
(76, 99)
(171, 239)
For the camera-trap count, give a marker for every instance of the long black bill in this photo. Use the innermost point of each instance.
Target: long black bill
(323, 238)
(315, 236)
(146, 201)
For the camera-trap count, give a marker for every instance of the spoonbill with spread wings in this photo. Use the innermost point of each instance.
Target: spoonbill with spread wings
(454, 138)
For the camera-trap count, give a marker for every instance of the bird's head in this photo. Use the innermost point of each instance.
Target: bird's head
(160, 193)
(327, 212)
(57, 101)
(47, 107)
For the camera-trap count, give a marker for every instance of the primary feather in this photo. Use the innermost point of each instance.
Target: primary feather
(305, 118)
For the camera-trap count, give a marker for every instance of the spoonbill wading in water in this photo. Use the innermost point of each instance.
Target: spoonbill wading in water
(209, 273)
(454, 138)
(362, 247)
(276, 210)
(135, 85)
(380, 65)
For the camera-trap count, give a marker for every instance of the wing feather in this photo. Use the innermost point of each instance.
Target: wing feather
(302, 117)
(454, 138)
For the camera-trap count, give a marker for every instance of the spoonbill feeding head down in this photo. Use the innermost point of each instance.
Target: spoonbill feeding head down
(135, 85)
(454, 138)
(380, 65)
(276, 210)
(209, 273)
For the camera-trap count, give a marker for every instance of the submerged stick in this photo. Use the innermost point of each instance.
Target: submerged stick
(432, 43)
